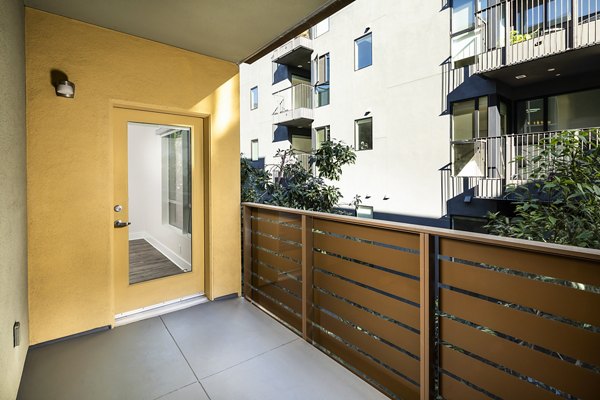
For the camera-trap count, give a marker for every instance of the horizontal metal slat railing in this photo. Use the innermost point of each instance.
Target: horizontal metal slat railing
(515, 31)
(419, 311)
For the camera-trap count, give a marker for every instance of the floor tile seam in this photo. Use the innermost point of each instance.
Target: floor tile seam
(183, 355)
(249, 359)
(173, 391)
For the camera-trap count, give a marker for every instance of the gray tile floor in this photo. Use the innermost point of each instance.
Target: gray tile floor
(219, 351)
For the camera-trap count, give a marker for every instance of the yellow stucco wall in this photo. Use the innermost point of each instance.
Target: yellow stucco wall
(69, 161)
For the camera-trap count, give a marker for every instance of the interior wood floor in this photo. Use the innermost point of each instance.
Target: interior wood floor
(146, 263)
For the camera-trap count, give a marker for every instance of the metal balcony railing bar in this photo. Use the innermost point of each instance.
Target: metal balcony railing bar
(515, 31)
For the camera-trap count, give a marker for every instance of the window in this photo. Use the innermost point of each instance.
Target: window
(320, 28)
(322, 80)
(364, 133)
(364, 211)
(469, 123)
(574, 110)
(470, 119)
(462, 120)
(254, 98)
(363, 52)
(531, 16)
(177, 174)
(589, 10)
(530, 116)
(323, 135)
(254, 150)
(463, 15)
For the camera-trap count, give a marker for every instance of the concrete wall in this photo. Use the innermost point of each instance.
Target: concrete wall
(70, 162)
(402, 90)
(13, 217)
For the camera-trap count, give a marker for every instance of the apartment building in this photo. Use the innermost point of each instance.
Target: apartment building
(531, 69)
(372, 78)
(441, 125)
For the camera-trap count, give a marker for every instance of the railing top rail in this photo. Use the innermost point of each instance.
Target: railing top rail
(520, 244)
(294, 86)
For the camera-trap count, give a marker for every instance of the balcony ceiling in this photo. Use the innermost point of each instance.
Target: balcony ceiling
(232, 30)
(569, 63)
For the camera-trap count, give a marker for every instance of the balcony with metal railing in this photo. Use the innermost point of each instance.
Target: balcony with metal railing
(421, 312)
(511, 32)
(294, 106)
(295, 52)
(502, 160)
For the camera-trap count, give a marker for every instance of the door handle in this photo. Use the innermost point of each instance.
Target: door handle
(121, 224)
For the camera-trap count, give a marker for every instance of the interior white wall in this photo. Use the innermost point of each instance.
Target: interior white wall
(403, 91)
(145, 197)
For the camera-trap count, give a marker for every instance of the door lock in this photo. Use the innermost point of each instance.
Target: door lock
(121, 224)
(118, 208)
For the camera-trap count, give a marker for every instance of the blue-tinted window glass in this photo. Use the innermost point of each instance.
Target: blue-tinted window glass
(363, 49)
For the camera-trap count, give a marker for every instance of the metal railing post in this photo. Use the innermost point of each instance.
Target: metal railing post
(307, 283)
(247, 254)
(426, 313)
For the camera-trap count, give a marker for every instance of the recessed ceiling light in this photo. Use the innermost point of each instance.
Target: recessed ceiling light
(299, 65)
(521, 76)
(557, 74)
(551, 69)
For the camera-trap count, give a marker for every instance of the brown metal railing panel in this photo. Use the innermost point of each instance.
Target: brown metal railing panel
(568, 268)
(386, 257)
(378, 326)
(387, 355)
(549, 298)
(400, 239)
(278, 309)
(517, 319)
(284, 249)
(556, 336)
(282, 232)
(456, 390)
(281, 217)
(383, 378)
(399, 311)
(283, 266)
(388, 282)
(271, 276)
(565, 376)
(277, 293)
(490, 378)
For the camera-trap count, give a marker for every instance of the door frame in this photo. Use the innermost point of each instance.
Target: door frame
(146, 294)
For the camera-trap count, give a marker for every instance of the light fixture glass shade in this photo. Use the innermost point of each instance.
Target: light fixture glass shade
(65, 89)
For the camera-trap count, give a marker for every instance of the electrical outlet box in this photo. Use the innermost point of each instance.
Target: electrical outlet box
(16, 334)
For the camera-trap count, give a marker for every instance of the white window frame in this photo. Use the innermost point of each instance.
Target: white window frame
(356, 144)
(253, 152)
(356, 67)
(254, 98)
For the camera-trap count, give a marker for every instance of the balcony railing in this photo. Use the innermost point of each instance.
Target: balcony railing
(515, 31)
(294, 52)
(425, 312)
(295, 105)
(303, 158)
(507, 160)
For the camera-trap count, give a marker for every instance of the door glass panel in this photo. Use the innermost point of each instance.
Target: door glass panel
(159, 189)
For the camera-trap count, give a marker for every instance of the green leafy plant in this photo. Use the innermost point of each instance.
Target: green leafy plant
(561, 202)
(516, 37)
(289, 184)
